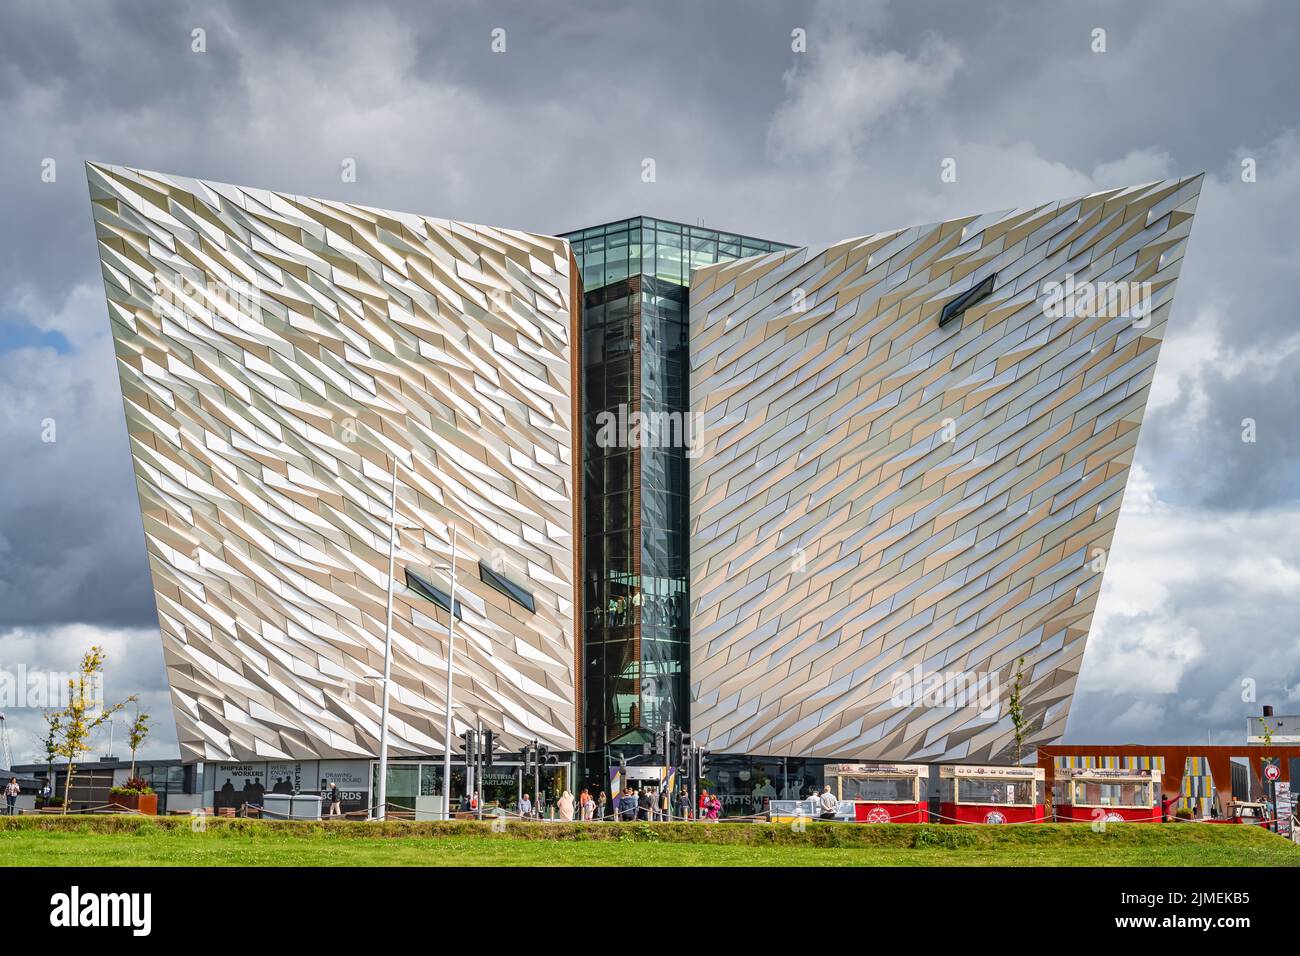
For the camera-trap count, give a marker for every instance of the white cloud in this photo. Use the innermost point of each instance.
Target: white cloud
(1192, 602)
(133, 665)
(840, 91)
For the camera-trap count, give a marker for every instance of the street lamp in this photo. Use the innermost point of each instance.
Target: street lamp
(451, 639)
(446, 732)
(381, 810)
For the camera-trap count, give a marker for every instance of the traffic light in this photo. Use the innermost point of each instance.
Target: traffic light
(489, 743)
(468, 745)
(701, 763)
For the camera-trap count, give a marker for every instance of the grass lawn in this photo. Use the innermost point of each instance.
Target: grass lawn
(133, 841)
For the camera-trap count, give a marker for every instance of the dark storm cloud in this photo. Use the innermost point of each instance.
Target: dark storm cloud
(746, 134)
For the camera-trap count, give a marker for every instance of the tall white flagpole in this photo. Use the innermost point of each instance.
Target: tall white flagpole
(381, 810)
(451, 638)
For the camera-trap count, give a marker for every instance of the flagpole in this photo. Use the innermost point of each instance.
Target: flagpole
(381, 811)
(446, 733)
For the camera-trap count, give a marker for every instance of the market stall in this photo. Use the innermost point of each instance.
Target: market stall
(992, 794)
(881, 793)
(1244, 811)
(1087, 794)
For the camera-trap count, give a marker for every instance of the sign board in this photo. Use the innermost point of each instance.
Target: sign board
(235, 784)
(866, 769)
(1285, 813)
(1004, 773)
(351, 777)
(1272, 772)
(292, 776)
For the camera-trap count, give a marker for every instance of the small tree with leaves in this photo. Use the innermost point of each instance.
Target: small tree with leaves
(1016, 707)
(139, 731)
(78, 722)
(1265, 732)
(51, 742)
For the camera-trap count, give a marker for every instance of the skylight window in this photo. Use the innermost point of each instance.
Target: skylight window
(976, 293)
(431, 592)
(506, 587)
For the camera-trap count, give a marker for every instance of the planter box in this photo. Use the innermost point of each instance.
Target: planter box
(146, 803)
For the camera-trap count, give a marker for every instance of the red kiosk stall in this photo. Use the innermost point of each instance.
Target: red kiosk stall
(882, 793)
(992, 794)
(1086, 794)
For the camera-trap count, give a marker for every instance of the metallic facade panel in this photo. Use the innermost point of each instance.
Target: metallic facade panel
(275, 353)
(881, 506)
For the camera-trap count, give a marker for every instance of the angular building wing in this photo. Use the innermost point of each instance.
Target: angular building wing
(276, 355)
(914, 447)
(897, 471)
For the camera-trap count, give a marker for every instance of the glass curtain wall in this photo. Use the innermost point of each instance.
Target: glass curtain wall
(636, 433)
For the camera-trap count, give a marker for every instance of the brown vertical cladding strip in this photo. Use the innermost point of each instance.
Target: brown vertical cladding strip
(579, 499)
(634, 486)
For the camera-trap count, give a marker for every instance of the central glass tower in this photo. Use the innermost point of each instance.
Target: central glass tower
(635, 434)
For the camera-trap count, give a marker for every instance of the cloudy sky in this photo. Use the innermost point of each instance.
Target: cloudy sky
(1202, 589)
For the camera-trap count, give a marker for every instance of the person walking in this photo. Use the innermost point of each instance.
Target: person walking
(11, 795)
(684, 803)
(628, 804)
(828, 803)
(525, 807)
(665, 805)
(565, 806)
(336, 801)
(645, 804)
(588, 807)
(715, 808)
(602, 806)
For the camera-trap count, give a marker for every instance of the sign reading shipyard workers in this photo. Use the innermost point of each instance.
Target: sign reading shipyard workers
(235, 784)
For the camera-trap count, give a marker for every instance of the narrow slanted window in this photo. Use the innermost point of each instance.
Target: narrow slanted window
(506, 587)
(976, 293)
(431, 592)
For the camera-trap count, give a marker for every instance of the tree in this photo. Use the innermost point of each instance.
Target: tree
(77, 723)
(139, 731)
(51, 742)
(1016, 707)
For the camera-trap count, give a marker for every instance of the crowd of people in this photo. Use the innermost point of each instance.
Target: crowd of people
(637, 608)
(648, 803)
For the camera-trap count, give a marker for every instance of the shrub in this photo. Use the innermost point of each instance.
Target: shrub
(134, 787)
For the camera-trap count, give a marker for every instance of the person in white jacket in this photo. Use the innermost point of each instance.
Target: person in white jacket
(565, 805)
